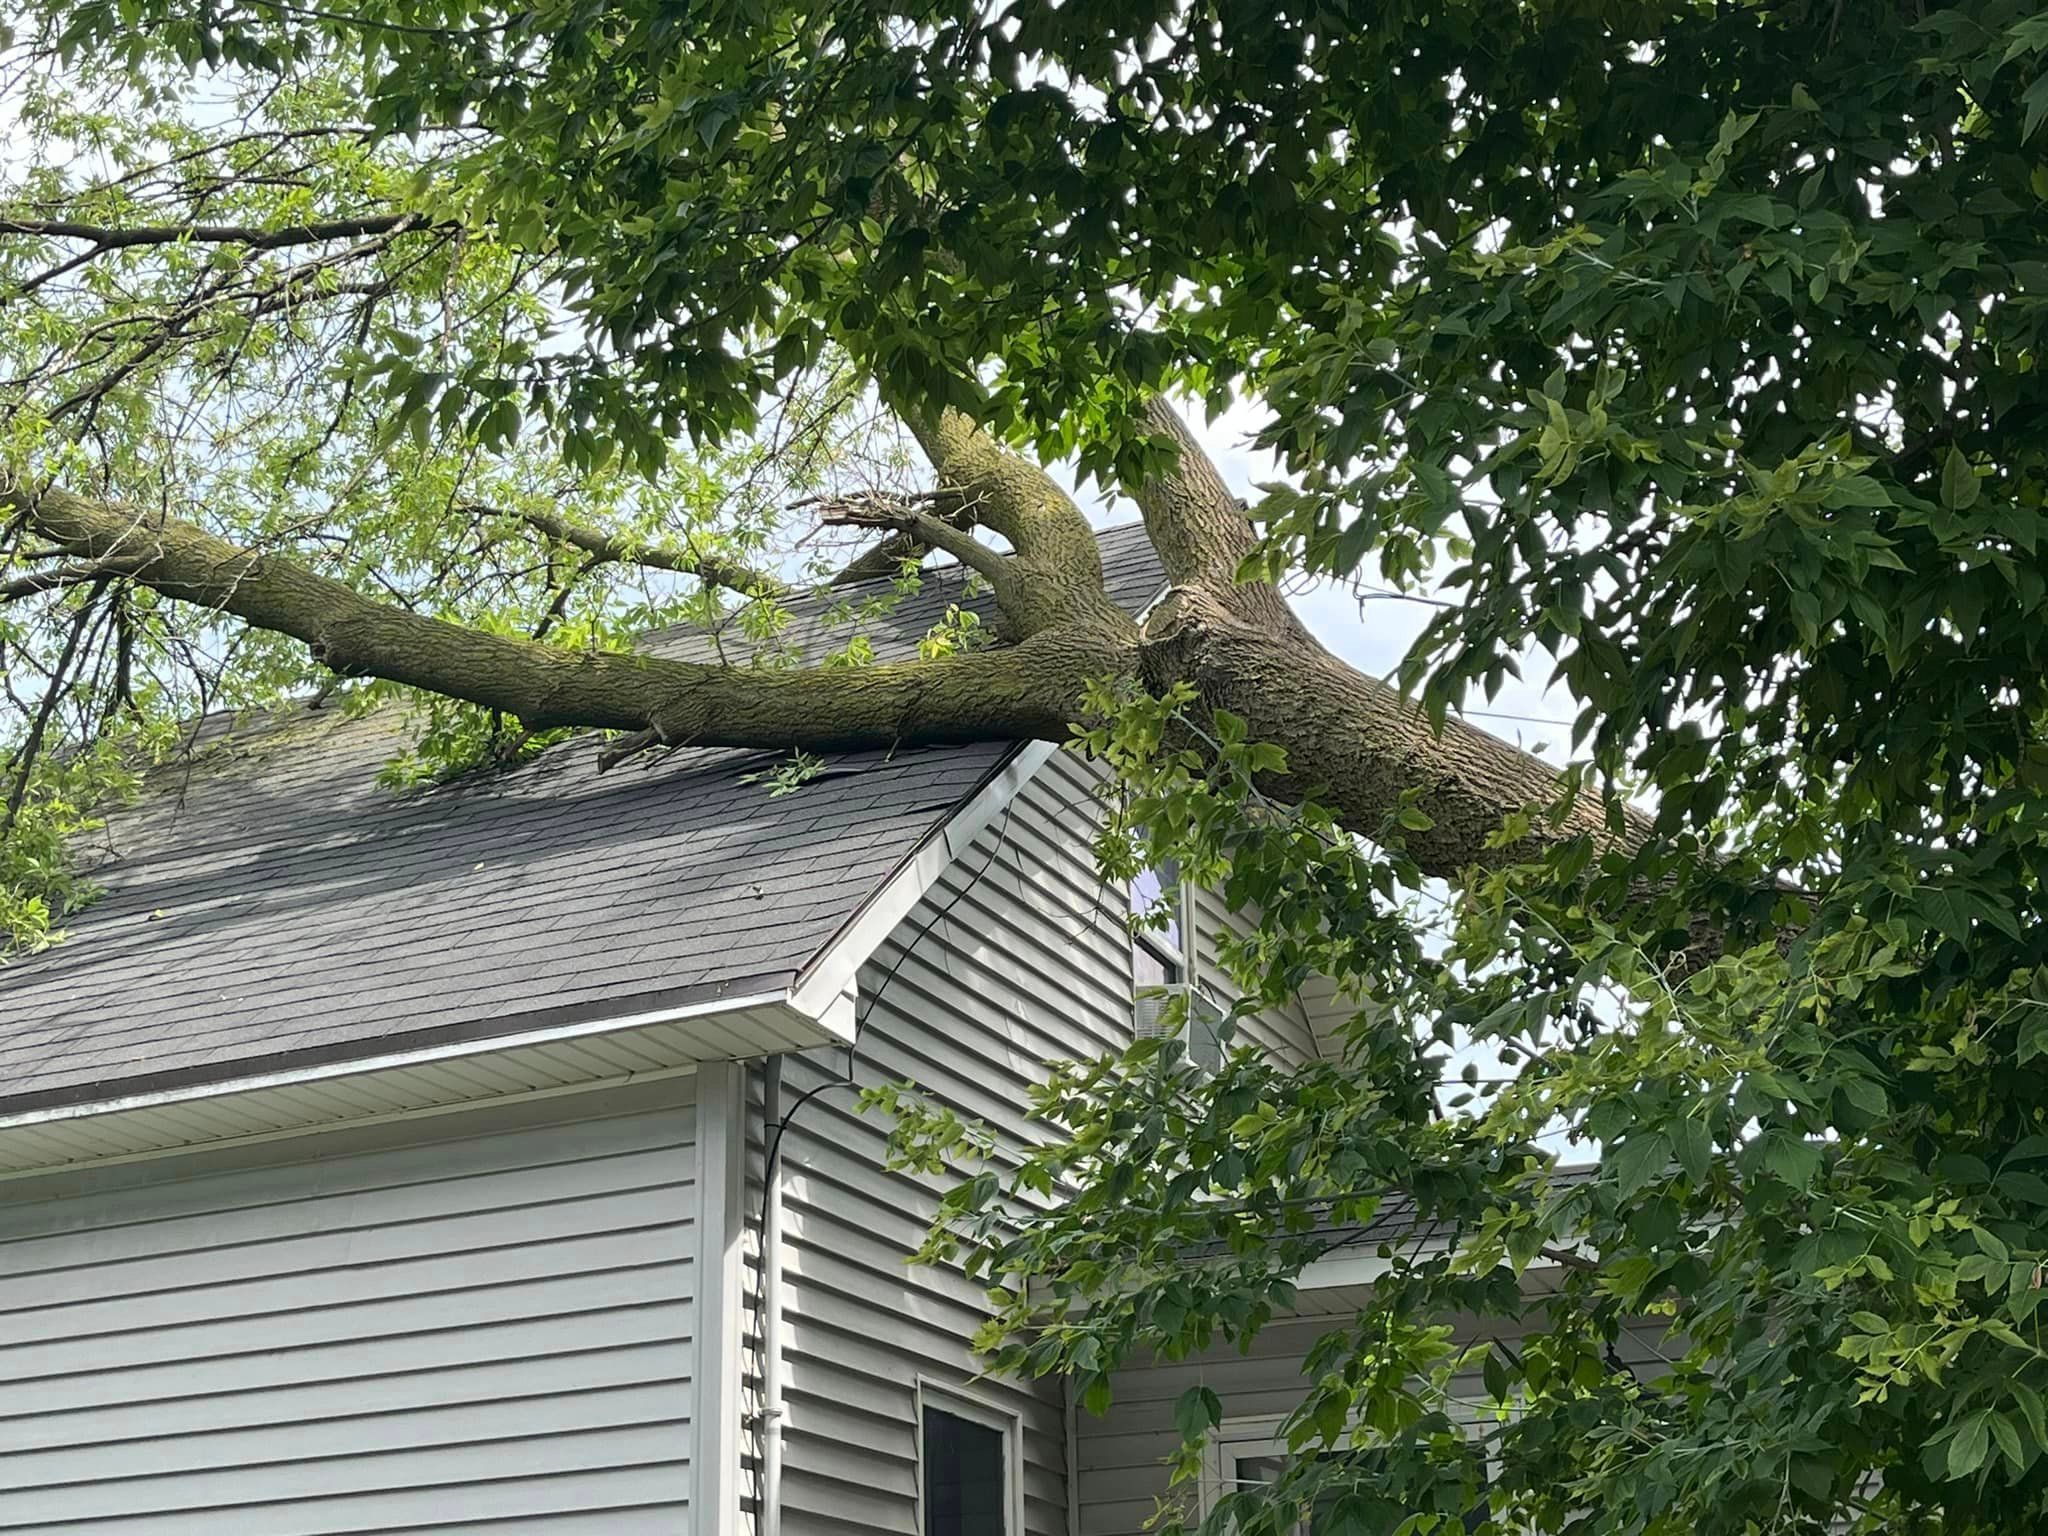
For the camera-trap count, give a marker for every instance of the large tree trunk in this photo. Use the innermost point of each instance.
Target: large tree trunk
(1350, 740)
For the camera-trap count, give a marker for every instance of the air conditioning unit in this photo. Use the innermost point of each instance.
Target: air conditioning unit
(1181, 1012)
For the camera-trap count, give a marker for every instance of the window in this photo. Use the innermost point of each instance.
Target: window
(969, 1475)
(1159, 955)
(1167, 1001)
(1239, 1458)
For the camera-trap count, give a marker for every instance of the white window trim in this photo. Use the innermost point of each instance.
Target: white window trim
(1258, 1436)
(1184, 919)
(976, 1409)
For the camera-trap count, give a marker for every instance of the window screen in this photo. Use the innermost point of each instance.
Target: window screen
(966, 1481)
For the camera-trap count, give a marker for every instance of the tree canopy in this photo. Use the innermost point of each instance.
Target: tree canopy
(1694, 344)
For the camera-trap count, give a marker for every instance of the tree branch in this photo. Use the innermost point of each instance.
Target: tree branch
(1197, 525)
(1016, 692)
(75, 575)
(883, 560)
(1058, 567)
(921, 528)
(1352, 741)
(606, 547)
(111, 237)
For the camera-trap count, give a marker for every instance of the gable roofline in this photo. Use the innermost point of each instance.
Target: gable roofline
(830, 972)
(189, 1111)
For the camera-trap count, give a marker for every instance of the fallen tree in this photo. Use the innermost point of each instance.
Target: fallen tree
(442, 346)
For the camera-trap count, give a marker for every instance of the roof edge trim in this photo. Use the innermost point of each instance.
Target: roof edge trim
(829, 975)
(294, 1077)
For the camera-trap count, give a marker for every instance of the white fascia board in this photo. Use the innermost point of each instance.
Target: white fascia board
(831, 974)
(292, 1077)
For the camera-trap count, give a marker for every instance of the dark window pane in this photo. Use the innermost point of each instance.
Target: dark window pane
(1259, 1469)
(965, 1487)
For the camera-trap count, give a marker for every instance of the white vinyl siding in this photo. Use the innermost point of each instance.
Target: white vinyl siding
(1018, 956)
(487, 1332)
(1284, 1032)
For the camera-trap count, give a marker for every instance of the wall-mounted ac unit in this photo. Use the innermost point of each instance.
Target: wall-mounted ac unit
(1184, 1012)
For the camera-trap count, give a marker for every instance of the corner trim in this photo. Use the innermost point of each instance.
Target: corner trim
(720, 1300)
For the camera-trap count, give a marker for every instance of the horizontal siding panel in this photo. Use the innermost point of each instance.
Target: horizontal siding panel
(256, 1445)
(296, 1196)
(344, 1229)
(439, 1472)
(258, 1368)
(491, 1333)
(593, 1520)
(487, 1506)
(558, 1296)
(497, 1254)
(349, 1396)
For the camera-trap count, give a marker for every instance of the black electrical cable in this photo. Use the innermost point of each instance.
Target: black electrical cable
(860, 1021)
(846, 1080)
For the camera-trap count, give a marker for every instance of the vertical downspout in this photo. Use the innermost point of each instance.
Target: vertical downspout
(771, 1301)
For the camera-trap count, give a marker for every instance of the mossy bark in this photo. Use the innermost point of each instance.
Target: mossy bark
(1349, 738)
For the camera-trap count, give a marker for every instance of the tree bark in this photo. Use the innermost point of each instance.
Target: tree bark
(1026, 690)
(1350, 740)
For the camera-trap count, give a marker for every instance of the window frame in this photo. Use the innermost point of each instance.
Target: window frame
(1253, 1435)
(1250, 1436)
(973, 1408)
(1152, 940)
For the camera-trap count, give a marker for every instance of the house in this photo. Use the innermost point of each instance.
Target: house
(377, 1162)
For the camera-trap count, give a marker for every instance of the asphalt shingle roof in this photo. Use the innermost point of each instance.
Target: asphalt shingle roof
(268, 904)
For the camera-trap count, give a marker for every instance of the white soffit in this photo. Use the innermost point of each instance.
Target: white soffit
(427, 1081)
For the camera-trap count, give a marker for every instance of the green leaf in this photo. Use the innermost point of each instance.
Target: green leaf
(1972, 1441)
(1959, 487)
(1638, 1160)
(1791, 1159)
(1198, 1411)
(2007, 1438)
(2033, 1033)
(1694, 1146)
(1098, 1395)
(1494, 1372)
(2031, 1410)
(1947, 911)
(2036, 103)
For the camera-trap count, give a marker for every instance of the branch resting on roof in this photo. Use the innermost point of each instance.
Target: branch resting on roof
(1021, 691)
(1355, 744)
